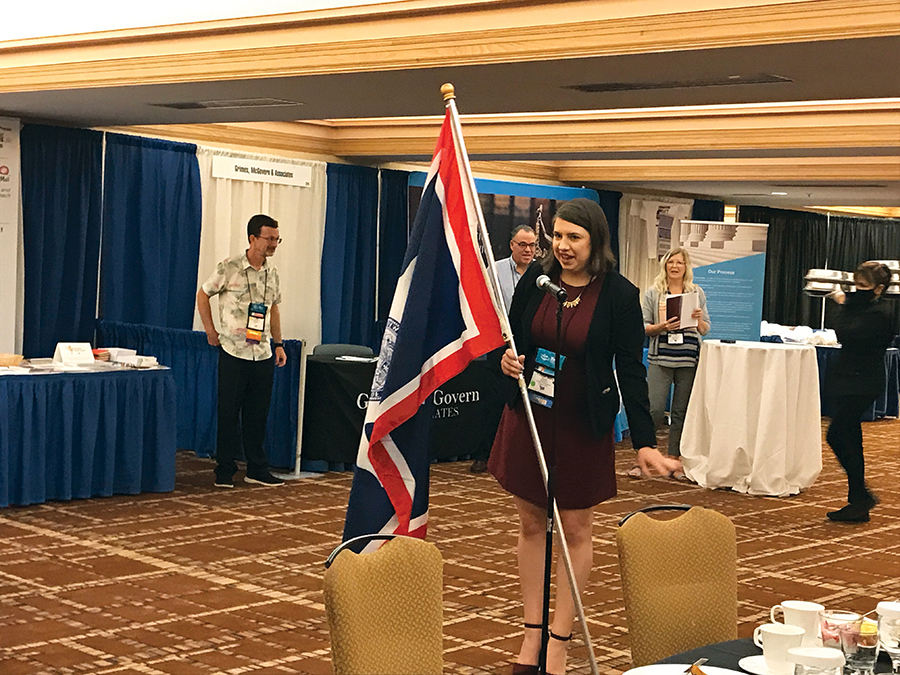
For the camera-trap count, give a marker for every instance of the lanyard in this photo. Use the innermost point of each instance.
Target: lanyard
(265, 285)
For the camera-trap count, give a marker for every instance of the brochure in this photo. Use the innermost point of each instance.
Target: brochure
(683, 305)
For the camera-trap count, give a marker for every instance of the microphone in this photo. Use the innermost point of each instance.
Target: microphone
(543, 282)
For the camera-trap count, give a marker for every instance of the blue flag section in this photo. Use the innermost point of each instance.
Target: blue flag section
(442, 317)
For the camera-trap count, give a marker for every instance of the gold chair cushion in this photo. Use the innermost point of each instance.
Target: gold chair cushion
(385, 610)
(679, 580)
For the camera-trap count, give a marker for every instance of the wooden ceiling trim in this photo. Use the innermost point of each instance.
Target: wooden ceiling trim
(807, 169)
(383, 42)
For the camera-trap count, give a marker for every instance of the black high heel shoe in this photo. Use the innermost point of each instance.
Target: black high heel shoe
(525, 669)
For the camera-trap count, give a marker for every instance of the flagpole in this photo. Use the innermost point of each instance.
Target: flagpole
(450, 99)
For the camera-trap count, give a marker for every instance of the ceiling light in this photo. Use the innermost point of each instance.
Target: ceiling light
(783, 194)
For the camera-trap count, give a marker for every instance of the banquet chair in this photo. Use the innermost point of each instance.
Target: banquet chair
(384, 608)
(679, 580)
(338, 349)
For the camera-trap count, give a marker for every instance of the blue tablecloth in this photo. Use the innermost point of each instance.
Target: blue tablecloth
(886, 405)
(195, 367)
(77, 435)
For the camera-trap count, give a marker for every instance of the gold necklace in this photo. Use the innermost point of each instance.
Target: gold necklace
(569, 304)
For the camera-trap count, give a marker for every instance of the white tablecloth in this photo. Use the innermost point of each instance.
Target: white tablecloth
(753, 420)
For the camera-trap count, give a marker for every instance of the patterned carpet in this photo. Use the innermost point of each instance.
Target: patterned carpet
(203, 581)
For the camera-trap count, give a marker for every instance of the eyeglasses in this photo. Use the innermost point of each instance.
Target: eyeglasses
(273, 240)
(525, 245)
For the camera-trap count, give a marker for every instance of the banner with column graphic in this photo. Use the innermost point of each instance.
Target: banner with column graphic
(11, 290)
(729, 262)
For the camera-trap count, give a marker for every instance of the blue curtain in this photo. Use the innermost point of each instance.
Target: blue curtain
(609, 202)
(392, 238)
(707, 209)
(61, 215)
(151, 231)
(348, 256)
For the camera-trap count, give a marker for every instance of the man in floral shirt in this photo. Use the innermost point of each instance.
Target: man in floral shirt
(249, 292)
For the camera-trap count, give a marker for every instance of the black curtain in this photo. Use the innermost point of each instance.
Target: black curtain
(797, 241)
(707, 209)
(855, 240)
(61, 216)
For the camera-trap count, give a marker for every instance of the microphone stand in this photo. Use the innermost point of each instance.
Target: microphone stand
(551, 497)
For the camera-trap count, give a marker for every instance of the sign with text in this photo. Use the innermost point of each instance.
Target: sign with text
(10, 292)
(730, 266)
(73, 354)
(238, 168)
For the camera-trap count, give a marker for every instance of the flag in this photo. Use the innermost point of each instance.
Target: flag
(443, 316)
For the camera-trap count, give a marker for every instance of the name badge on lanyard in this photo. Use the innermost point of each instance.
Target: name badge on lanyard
(256, 322)
(542, 386)
(256, 313)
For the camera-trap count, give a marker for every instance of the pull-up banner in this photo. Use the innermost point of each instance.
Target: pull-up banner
(730, 265)
(10, 320)
(237, 168)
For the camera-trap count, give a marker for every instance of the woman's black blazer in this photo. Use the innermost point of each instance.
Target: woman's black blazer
(616, 330)
(865, 332)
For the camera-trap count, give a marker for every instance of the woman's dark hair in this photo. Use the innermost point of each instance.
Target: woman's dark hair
(587, 214)
(875, 273)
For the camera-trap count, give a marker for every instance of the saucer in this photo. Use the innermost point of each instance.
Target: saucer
(677, 669)
(757, 665)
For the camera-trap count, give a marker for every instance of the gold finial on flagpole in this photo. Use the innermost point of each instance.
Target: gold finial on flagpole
(447, 91)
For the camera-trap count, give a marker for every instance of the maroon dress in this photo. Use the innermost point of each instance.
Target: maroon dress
(585, 465)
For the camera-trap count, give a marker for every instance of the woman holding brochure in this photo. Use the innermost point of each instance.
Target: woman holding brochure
(574, 413)
(675, 317)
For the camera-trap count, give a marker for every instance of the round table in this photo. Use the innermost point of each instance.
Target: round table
(727, 654)
(753, 422)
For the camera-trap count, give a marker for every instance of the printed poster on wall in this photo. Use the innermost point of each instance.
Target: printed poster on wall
(507, 204)
(730, 266)
(9, 235)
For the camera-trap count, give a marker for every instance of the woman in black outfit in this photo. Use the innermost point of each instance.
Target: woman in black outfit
(863, 327)
(601, 320)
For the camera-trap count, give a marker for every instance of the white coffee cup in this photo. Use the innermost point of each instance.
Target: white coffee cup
(803, 614)
(775, 640)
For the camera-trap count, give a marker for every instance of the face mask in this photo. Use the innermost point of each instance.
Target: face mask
(861, 297)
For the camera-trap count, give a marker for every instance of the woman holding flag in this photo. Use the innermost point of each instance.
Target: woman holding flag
(574, 410)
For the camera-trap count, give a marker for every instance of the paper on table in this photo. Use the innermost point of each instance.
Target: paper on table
(683, 305)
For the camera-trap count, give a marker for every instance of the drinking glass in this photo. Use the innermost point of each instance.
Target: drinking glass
(889, 639)
(830, 621)
(859, 642)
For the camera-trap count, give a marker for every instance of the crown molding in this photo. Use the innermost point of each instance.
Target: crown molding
(293, 138)
(806, 169)
(842, 125)
(421, 35)
(854, 127)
